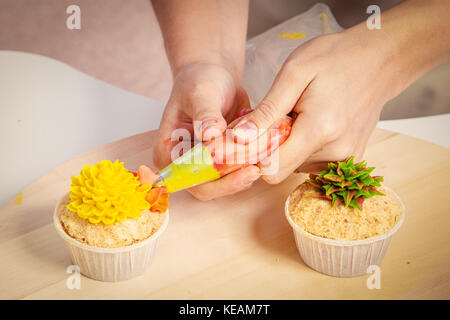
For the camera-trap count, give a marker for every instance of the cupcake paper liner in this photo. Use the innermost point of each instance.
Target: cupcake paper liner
(110, 264)
(343, 258)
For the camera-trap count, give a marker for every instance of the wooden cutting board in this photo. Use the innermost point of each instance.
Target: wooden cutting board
(239, 246)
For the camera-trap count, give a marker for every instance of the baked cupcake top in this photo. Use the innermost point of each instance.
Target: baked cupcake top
(120, 234)
(344, 203)
(111, 207)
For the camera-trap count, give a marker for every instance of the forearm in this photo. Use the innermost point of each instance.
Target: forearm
(414, 38)
(204, 31)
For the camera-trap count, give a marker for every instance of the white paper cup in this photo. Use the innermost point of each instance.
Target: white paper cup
(110, 264)
(343, 258)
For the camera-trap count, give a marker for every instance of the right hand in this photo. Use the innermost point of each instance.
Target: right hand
(209, 95)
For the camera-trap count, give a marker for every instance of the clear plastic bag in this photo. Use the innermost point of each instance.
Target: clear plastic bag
(266, 53)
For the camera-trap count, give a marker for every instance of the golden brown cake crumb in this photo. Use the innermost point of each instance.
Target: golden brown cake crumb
(318, 217)
(119, 234)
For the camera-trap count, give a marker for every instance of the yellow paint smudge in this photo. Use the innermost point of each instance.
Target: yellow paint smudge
(324, 17)
(289, 35)
(18, 198)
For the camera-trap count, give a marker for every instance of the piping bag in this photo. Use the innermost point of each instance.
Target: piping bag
(212, 160)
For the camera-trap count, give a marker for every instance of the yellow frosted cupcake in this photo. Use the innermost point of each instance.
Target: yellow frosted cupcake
(111, 220)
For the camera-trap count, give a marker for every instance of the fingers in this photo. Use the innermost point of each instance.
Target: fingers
(207, 117)
(351, 143)
(304, 140)
(170, 134)
(312, 167)
(314, 141)
(234, 182)
(244, 111)
(241, 102)
(172, 120)
(147, 175)
(319, 161)
(279, 101)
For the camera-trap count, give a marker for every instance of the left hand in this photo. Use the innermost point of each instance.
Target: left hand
(338, 85)
(204, 93)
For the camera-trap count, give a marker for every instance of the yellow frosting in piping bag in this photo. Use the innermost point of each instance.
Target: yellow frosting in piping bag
(194, 167)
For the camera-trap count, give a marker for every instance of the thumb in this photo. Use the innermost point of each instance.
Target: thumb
(147, 175)
(279, 101)
(208, 120)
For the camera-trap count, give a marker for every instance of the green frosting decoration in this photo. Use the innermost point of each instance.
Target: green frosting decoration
(346, 182)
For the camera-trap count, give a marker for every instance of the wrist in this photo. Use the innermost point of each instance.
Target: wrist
(411, 41)
(207, 58)
(384, 59)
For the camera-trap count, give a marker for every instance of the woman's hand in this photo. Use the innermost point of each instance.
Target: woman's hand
(338, 85)
(204, 99)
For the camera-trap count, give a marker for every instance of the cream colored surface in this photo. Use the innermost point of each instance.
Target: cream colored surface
(435, 129)
(240, 246)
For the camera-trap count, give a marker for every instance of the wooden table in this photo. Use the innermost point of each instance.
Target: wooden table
(239, 246)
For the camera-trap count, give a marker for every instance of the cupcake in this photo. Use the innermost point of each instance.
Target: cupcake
(111, 220)
(343, 219)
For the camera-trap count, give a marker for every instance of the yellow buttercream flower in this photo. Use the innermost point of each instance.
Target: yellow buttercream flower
(107, 192)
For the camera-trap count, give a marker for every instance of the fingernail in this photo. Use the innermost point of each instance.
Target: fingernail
(200, 127)
(246, 131)
(208, 123)
(211, 132)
